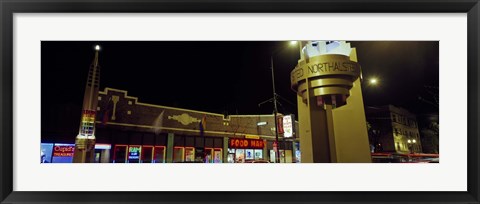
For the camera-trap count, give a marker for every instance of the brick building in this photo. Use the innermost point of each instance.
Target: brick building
(129, 131)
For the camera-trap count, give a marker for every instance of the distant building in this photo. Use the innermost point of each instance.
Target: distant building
(393, 129)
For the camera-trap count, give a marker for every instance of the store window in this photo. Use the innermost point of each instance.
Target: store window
(240, 155)
(178, 154)
(189, 154)
(159, 154)
(98, 156)
(258, 154)
(245, 149)
(134, 153)
(273, 156)
(217, 155)
(231, 156)
(120, 154)
(147, 154)
(249, 154)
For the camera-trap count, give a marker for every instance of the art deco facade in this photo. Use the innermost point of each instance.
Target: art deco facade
(129, 131)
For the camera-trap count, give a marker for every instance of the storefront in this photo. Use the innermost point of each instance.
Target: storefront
(197, 149)
(287, 149)
(136, 132)
(138, 154)
(63, 153)
(180, 149)
(241, 150)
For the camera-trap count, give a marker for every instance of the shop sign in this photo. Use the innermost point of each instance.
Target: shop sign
(288, 126)
(280, 125)
(134, 152)
(63, 150)
(237, 143)
(252, 137)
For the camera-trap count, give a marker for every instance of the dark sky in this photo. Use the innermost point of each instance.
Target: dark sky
(228, 76)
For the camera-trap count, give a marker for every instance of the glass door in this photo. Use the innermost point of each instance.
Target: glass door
(120, 154)
(147, 154)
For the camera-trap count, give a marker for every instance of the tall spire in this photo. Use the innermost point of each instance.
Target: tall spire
(85, 141)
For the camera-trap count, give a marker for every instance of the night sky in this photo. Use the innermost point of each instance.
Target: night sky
(229, 77)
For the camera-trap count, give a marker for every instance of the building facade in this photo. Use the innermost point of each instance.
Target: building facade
(393, 129)
(129, 131)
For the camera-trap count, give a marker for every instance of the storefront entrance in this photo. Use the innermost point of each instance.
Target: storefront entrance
(245, 150)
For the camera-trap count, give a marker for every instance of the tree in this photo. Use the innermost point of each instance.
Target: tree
(374, 137)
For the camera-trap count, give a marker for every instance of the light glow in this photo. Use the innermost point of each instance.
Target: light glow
(97, 47)
(261, 123)
(103, 146)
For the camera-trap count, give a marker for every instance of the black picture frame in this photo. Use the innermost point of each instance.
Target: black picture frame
(10, 7)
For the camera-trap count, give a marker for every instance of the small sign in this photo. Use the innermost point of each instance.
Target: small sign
(252, 137)
(288, 126)
(134, 152)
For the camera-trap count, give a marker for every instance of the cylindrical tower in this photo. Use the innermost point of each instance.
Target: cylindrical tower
(332, 125)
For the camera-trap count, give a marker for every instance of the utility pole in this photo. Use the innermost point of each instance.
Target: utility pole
(275, 112)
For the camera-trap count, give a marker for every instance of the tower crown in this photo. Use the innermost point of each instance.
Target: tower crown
(329, 71)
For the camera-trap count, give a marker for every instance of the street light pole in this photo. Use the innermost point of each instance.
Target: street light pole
(275, 112)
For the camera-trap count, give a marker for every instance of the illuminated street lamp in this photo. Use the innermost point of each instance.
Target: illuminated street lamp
(373, 81)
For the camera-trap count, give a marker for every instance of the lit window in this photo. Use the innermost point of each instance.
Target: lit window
(129, 112)
(129, 102)
(99, 98)
(98, 108)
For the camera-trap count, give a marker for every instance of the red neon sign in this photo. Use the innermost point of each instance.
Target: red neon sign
(238, 143)
(63, 151)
